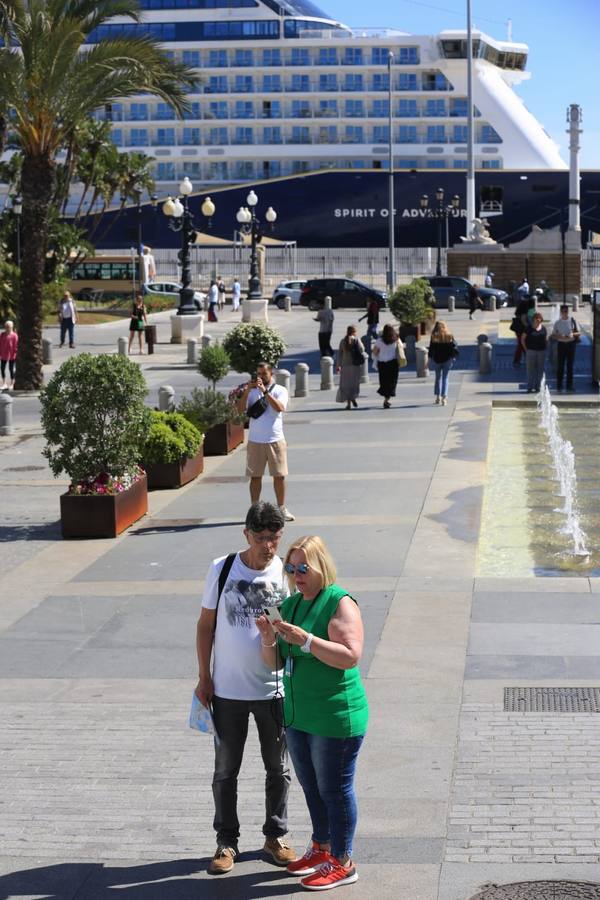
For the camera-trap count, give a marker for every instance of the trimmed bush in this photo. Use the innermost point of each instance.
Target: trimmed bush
(205, 408)
(169, 437)
(412, 303)
(94, 417)
(214, 364)
(250, 343)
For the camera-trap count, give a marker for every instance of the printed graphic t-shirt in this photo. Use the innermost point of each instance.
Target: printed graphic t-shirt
(238, 670)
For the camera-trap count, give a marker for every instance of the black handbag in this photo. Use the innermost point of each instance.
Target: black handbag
(357, 356)
(259, 406)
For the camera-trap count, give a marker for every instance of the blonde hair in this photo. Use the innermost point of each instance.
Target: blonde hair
(441, 333)
(318, 558)
(9, 322)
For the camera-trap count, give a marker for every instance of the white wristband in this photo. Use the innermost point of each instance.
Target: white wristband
(306, 645)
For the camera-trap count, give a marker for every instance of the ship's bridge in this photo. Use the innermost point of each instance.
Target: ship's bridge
(453, 45)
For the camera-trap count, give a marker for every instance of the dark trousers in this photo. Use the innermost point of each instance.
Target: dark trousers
(66, 325)
(11, 368)
(325, 343)
(565, 356)
(231, 724)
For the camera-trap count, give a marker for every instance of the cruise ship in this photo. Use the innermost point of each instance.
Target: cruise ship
(283, 89)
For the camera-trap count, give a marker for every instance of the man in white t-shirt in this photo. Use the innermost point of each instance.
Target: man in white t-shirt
(236, 295)
(266, 443)
(240, 684)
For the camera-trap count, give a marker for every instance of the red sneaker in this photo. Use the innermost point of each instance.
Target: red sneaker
(312, 859)
(330, 874)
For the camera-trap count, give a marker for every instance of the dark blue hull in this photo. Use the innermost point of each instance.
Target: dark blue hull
(349, 209)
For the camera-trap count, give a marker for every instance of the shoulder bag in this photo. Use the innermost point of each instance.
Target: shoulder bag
(400, 355)
(259, 406)
(356, 354)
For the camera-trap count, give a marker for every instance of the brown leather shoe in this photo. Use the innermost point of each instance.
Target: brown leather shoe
(280, 851)
(222, 861)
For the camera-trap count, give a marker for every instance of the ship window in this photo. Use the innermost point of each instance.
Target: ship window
(380, 82)
(408, 108)
(328, 56)
(408, 56)
(379, 56)
(353, 56)
(407, 81)
(294, 28)
(490, 164)
(491, 198)
(540, 188)
(354, 109)
(271, 57)
(380, 109)
(197, 4)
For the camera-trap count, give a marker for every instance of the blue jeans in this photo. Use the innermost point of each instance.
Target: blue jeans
(66, 325)
(442, 370)
(325, 769)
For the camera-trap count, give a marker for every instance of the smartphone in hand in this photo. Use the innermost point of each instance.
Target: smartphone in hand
(272, 613)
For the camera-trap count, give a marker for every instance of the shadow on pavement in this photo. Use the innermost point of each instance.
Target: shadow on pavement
(47, 531)
(180, 527)
(95, 881)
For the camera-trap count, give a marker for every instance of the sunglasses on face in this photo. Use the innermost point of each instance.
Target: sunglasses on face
(302, 569)
(266, 538)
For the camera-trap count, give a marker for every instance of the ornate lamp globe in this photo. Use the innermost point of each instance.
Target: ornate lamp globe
(251, 199)
(270, 215)
(208, 208)
(186, 187)
(168, 207)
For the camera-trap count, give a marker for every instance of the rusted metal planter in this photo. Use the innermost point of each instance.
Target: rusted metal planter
(103, 515)
(174, 475)
(222, 439)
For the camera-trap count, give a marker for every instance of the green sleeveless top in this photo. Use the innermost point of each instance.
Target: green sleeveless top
(318, 698)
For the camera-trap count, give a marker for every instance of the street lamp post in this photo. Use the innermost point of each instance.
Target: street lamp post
(440, 212)
(17, 208)
(181, 220)
(250, 224)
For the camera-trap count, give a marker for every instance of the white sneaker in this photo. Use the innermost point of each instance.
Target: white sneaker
(286, 514)
(444, 401)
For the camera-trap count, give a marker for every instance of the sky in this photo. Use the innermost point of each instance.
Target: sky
(563, 37)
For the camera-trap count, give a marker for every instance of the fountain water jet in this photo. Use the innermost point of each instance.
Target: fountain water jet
(564, 464)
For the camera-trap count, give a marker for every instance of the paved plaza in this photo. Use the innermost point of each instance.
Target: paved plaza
(105, 792)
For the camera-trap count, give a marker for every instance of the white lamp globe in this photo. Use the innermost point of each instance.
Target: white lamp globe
(186, 187)
(270, 215)
(241, 215)
(251, 199)
(208, 208)
(168, 206)
(177, 209)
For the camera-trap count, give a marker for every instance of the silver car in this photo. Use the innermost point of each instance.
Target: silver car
(291, 289)
(171, 289)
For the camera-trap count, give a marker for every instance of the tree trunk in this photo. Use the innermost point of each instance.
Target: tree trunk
(37, 185)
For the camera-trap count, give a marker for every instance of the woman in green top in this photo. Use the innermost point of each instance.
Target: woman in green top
(319, 644)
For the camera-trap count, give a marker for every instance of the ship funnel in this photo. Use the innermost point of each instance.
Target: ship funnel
(574, 120)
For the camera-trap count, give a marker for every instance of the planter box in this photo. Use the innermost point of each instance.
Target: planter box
(222, 439)
(174, 475)
(104, 515)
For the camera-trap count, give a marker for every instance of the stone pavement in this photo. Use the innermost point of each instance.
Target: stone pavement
(105, 791)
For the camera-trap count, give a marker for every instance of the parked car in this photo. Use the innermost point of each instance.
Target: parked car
(291, 289)
(171, 289)
(344, 293)
(444, 286)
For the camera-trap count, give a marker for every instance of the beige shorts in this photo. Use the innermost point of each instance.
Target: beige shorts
(258, 455)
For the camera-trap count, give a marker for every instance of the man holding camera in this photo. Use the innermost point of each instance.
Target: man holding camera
(264, 402)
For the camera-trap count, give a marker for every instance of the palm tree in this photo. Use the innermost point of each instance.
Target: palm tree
(49, 84)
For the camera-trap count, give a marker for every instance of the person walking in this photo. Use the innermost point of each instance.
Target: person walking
(372, 317)
(325, 319)
(236, 295)
(388, 352)
(475, 301)
(213, 301)
(535, 342)
(523, 289)
(489, 280)
(350, 358)
(521, 321)
(137, 322)
(320, 643)
(443, 351)
(264, 402)
(9, 344)
(222, 293)
(67, 316)
(567, 335)
(238, 684)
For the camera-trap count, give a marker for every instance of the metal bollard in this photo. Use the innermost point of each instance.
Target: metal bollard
(206, 341)
(46, 352)
(327, 303)
(166, 398)
(422, 360)
(409, 348)
(326, 373)
(287, 304)
(364, 374)
(192, 350)
(575, 300)
(301, 380)
(490, 303)
(451, 303)
(6, 425)
(122, 346)
(283, 377)
(485, 358)
(482, 338)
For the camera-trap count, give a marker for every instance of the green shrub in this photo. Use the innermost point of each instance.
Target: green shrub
(94, 417)
(169, 437)
(249, 344)
(412, 303)
(205, 408)
(214, 364)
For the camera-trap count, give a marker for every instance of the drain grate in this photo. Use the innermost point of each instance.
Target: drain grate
(552, 699)
(541, 890)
